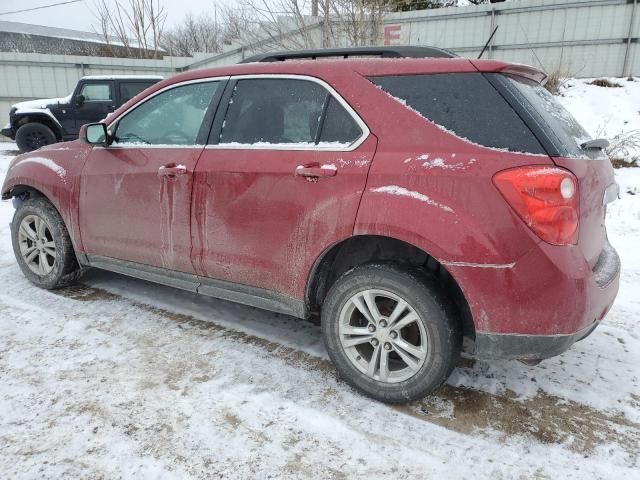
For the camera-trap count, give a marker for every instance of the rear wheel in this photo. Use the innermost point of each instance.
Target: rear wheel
(42, 245)
(32, 136)
(391, 333)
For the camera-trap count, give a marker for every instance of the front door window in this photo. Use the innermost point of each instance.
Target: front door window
(172, 117)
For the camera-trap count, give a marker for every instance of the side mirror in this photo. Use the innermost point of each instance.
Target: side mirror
(95, 134)
(80, 99)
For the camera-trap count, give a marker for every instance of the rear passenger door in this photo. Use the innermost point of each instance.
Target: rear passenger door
(279, 182)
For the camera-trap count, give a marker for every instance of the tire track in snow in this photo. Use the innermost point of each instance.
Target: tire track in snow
(546, 418)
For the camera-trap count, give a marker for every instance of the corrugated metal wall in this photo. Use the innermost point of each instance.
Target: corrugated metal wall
(28, 76)
(582, 38)
(585, 38)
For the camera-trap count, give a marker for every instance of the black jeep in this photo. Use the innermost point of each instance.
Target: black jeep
(36, 123)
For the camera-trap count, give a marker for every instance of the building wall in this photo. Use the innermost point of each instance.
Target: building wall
(583, 38)
(580, 38)
(29, 76)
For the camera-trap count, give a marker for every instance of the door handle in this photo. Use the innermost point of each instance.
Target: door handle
(316, 171)
(172, 170)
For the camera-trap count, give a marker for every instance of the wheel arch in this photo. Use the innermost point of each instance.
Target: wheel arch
(42, 118)
(361, 249)
(22, 192)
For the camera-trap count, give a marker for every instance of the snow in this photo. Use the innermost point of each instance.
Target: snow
(120, 378)
(607, 112)
(403, 192)
(287, 145)
(122, 77)
(48, 163)
(32, 106)
(440, 163)
(329, 166)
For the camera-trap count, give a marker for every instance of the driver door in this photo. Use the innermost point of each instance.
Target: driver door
(135, 194)
(95, 100)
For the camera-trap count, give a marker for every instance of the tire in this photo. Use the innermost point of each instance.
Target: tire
(423, 349)
(37, 224)
(32, 136)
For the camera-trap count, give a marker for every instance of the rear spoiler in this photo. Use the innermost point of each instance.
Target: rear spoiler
(512, 69)
(527, 72)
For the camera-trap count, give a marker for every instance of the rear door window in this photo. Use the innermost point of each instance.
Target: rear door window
(289, 112)
(274, 111)
(466, 104)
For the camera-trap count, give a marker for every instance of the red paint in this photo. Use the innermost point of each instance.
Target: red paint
(391, 34)
(130, 210)
(258, 223)
(244, 215)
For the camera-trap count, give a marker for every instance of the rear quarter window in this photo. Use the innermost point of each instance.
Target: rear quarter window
(561, 129)
(338, 125)
(466, 104)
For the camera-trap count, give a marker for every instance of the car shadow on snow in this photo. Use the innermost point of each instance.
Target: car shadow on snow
(545, 417)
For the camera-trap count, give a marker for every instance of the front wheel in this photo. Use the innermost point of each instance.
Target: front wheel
(32, 136)
(42, 245)
(391, 333)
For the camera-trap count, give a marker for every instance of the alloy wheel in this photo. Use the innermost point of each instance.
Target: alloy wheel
(383, 336)
(37, 246)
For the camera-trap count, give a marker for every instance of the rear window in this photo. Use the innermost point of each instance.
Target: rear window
(465, 103)
(564, 131)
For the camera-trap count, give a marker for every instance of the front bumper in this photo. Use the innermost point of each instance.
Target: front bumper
(8, 132)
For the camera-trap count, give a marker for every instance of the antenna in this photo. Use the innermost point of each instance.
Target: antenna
(488, 41)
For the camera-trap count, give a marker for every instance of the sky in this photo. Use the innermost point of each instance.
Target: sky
(79, 16)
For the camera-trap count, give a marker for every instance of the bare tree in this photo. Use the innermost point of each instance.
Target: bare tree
(235, 22)
(201, 34)
(135, 25)
(357, 22)
(278, 24)
(290, 24)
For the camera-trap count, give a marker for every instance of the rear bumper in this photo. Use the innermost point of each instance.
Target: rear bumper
(492, 346)
(548, 300)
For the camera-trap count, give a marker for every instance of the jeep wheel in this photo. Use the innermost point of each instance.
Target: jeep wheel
(32, 136)
(390, 333)
(42, 245)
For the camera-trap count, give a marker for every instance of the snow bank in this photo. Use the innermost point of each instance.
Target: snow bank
(608, 112)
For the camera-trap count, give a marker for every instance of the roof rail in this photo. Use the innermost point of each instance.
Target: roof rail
(383, 52)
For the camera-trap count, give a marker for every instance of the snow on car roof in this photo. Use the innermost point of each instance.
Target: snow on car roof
(117, 77)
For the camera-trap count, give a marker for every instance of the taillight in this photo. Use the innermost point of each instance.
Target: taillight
(546, 198)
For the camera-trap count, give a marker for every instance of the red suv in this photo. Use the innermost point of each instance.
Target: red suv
(423, 206)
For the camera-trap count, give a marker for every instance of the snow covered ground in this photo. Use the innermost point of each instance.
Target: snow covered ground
(119, 378)
(607, 112)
